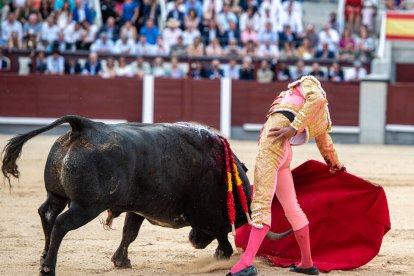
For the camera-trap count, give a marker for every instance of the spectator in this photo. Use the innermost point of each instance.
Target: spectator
(346, 39)
(61, 44)
(247, 69)
(250, 17)
(172, 32)
(294, 5)
(89, 35)
(299, 70)
(73, 35)
(40, 66)
(272, 6)
(347, 54)
(196, 48)
(288, 51)
(4, 61)
(43, 46)
(110, 29)
(161, 49)
(268, 34)
(45, 9)
(9, 26)
(231, 33)
(32, 26)
(264, 74)
(212, 7)
(49, 30)
(108, 72)
(214, 49)
(267, 17)
(140, 68)
(287, 36)
(130, 11)
(129, 30)
(232, 70)
(333, 21)
(175, 72)
(249, 34)
(329, 36)
(195, 5)
(198, 72)
(102, 44)
(293, 20)
(232, 49)
(311, 35)
(158, 69)
(192, 19)
(82, 12)
(249, 49)
(150, 31)
(189, 34)
(143, 48)
(72, 67)
(177, 14)
(93, 66)
(283, 73)
(364, 45)
(179, 49)
(210, 32)
(325, 53)
(336, 74)
(30, 41)
(369, 10)
(268, 50)
(214, 71)
(124, 46)
(353, 13)
(14, 42)
(58, 4)
(64, 16)
(305, 51)
(123, 70)
(356, 73)
(317, 72)
(55, 64)
(108, 9)
(150, 9)
(224, 18)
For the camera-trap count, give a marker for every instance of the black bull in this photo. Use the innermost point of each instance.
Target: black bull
(173, 175)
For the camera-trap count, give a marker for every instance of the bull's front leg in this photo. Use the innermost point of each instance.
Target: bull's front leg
(132, 225)
(224, 249)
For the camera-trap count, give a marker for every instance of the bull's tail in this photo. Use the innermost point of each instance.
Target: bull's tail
(232, 175)
(13, 149)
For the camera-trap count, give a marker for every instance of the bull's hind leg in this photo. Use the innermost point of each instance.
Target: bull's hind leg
(224, 249)
(48, 212)
(132, 225)
(75, 217)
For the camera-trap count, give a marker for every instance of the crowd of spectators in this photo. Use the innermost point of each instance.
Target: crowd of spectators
(268, 29)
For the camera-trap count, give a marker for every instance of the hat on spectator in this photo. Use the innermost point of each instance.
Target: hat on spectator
(173, 23)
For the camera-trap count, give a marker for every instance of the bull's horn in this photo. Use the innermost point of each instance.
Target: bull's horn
(277, 236)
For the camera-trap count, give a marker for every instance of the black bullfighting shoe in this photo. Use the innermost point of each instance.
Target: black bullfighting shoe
(308, 271)
(248, 271)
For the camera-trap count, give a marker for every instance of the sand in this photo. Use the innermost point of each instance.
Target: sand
(164, 251)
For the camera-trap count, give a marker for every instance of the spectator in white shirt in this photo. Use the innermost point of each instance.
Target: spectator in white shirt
(293, 19)
(158, 69)
(9, 26)
(123, 69)
(73, 33)
(55, 64)
(355, 73)
(172, 32)
(272, 5)
(232, 70)
(268, 50)
(189, 34)
(102, 44)
(143, 48)
(175, 71)
(50, 30)
(124, 46)
(329, 36)
(225, 17)
(267, 17)
(295, 5)
(268, 34)
(108, 71)
(250, 17)
(160, 49)
(212, 6)
(140, 68)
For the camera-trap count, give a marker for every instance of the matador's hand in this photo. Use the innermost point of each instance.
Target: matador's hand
(282, 132)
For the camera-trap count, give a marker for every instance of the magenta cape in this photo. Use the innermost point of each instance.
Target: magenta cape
(348, 218)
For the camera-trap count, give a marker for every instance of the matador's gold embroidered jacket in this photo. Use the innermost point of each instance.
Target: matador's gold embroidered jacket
(307, 101)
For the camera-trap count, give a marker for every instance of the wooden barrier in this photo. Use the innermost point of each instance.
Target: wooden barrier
(404, 72)
(54, 96)
(400, 101)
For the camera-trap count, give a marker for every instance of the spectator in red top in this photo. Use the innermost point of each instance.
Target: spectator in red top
(353, 13)
(346, 39)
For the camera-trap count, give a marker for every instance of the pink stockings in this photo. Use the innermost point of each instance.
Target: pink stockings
(284, 189)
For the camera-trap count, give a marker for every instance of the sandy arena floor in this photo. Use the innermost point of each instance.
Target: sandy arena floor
(163, 251)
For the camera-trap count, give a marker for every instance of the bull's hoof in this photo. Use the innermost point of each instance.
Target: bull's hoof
(46, 270)
(125, 263)
(221, 255)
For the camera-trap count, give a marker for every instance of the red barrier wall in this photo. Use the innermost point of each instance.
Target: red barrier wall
(404, 72)
(400, 101)
(187, 100)
(54, 96)
(252, 100)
